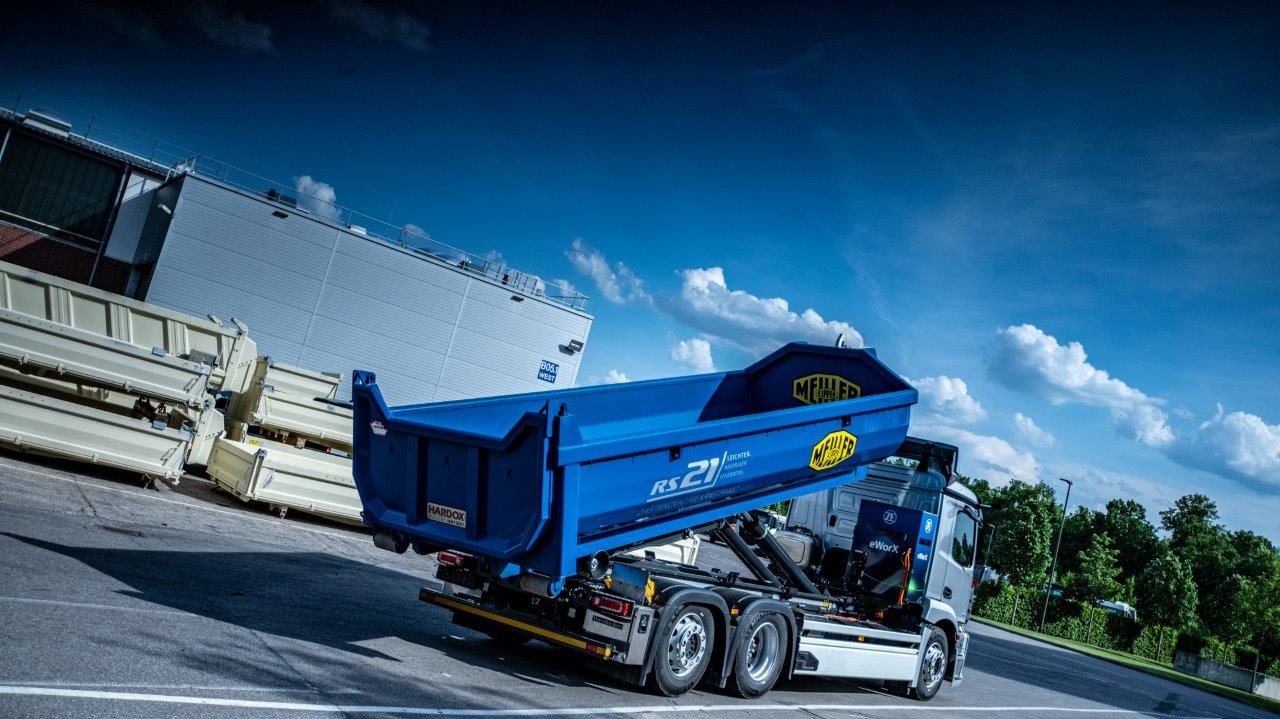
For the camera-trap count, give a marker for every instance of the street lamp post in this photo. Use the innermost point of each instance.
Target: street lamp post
(1053, 567)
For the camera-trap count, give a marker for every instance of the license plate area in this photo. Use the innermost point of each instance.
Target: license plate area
(606, 626)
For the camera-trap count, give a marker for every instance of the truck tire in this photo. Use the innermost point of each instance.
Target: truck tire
(933, 668)
(683, 654)
(757, 662)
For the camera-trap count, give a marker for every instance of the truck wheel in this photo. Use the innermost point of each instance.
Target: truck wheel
(934, 665)
(684, 654)
(757, 663)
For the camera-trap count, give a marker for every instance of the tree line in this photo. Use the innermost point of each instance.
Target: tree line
(1199, 587)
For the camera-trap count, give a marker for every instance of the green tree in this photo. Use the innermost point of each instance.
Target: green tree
(981, 488)
(1229, 613)
(1077, 534)
(1097, 576)
(1020, 526)
(1202, 544)
(1020, 550)
(1166, 594)
(1254, 554)
(1125, 521)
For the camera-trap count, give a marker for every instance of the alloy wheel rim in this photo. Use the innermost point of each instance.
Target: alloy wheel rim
(762, 653)
(686, 645)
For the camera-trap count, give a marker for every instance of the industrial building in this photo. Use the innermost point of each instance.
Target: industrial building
(319, 286)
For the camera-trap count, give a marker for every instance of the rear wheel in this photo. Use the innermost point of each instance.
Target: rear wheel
(933, 668)
(757, 663)
(684, 653)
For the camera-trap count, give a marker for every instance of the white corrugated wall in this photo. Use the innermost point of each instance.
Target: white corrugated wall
(327, 299)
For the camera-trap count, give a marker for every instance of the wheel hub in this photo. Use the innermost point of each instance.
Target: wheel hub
(935, 664)
(763, 651)
(686, 645)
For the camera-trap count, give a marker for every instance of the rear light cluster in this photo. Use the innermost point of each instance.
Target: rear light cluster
(452, 559)
(612, 605)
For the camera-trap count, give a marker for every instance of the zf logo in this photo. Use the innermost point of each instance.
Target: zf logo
(819, 388)
(701, 475)
(890, 517)
(832, 450)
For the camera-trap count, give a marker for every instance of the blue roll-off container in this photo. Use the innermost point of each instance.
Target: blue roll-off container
(534, 482)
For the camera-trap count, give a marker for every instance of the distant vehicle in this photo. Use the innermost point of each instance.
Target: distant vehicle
(1122, 609)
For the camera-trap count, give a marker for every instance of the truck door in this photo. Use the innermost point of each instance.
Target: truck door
(951, 577)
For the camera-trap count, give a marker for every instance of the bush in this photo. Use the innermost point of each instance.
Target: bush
(1084, 624)
(1149, 645)
(1218, 651)
(996, 602)
(1070, 620)
(1274, 668)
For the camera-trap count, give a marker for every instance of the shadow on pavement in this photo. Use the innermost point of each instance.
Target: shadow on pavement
(322, 599)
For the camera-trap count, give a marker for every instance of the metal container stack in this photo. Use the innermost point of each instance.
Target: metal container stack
(93, 376)
(288, 443)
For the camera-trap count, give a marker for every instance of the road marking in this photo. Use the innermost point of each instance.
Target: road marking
(194, 687)
(87, 605)
(35, 691)
(189, 505)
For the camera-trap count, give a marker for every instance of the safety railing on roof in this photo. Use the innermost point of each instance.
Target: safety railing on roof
(171, 160)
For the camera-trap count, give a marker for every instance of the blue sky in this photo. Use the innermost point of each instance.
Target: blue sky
(969, 193)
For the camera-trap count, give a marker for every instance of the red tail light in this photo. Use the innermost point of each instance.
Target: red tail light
(451, 559)
(620, 607)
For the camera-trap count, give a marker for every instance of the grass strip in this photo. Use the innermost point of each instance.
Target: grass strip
(1142, 664)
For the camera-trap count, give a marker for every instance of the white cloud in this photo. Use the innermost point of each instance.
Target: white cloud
(223, 25)
(565, 284)
(495, 257)
(947, 400)
(694, 354)
(316, 197)
(1027, 359)
(1236, 445)
(1094, 487)
(618, 284)
(1031, 432)
(416, 230)
(984, 456)
(613, 376)
(397, 26)
(752, 323)
(1146, 423)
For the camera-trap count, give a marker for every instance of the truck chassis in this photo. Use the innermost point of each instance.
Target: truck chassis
(674, 626)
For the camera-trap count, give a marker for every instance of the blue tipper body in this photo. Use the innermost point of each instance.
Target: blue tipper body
(533, 482)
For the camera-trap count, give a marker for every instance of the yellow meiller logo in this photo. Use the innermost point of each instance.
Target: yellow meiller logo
(832, 450)
(819, 388)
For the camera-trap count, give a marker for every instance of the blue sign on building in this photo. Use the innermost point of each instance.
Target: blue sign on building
(547, 372)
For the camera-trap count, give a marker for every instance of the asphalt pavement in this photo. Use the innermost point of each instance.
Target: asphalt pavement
(119, 601)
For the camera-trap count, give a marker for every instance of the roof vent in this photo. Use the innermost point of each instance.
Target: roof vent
(47, 122)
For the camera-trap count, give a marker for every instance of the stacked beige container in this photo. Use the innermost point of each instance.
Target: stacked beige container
(288, 443)
(94, 376)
